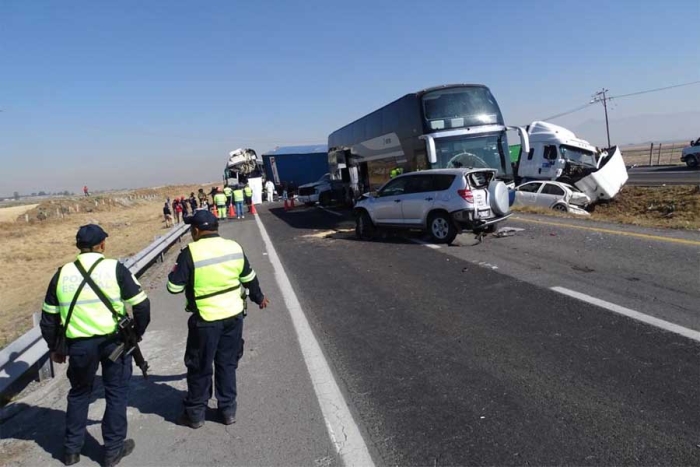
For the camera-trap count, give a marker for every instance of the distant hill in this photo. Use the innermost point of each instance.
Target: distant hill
(640, 129)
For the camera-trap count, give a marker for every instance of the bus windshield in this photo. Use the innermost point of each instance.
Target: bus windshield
(460, 107)
(484, 151)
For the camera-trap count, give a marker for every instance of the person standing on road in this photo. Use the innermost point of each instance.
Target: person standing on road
(270, 188)
(238, 198)
(228, 191)
(72, 307)
(248, 194)
(193, 202)
(211, 270)
(220, 201)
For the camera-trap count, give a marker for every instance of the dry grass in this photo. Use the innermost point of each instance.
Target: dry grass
(31, 252)
(9, 214)
(674, 207)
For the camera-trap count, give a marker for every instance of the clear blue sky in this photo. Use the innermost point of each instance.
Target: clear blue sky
(134, 93)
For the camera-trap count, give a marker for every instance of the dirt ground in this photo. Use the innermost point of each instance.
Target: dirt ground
(9, 214)
(674, 207)
(30, 252)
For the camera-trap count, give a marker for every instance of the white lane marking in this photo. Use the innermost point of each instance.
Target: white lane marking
(342, 428)
(329, 211)
(421, 242)
(484, 264)
(659, 323)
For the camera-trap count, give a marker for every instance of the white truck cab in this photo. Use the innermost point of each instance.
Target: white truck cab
(557, 154)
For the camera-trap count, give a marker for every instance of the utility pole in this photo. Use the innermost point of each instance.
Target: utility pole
(600, 96)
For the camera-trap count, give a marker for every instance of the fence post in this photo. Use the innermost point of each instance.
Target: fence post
(651, 151)
(658, 157)
(670, 158)
(46, 369)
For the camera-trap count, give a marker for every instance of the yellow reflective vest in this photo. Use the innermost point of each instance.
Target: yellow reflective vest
(218, 264)
(238, 195)
(248, 192)
(228, 191)
(220, 199)
(90, 316)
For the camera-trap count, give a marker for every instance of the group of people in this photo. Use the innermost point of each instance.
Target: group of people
(234, 195)
(177, 209)
(81, 325)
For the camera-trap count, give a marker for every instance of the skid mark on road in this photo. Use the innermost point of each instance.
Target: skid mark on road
(659, 323)
(614, 232)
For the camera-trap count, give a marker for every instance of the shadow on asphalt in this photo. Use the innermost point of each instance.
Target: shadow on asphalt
(46, 427)
(311, 218)
(154, 396)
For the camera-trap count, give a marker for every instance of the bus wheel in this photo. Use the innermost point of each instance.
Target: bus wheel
(364, 229)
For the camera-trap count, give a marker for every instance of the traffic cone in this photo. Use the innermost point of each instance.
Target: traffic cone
(231, 211)
(253, 211)
(286, 205)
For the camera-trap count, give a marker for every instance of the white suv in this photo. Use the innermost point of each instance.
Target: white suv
(442, 202)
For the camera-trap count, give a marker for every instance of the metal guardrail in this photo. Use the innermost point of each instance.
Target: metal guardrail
(29, 353)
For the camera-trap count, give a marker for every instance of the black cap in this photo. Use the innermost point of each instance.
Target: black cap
(89, 235)
(203, 220)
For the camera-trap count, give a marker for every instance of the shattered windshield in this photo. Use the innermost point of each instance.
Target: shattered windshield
(578, 155)
(489, 151)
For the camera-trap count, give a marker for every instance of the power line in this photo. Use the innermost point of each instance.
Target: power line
(654, 90)
(569, 111)
(577, 109)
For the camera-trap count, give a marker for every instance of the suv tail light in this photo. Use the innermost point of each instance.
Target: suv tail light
(466, 195)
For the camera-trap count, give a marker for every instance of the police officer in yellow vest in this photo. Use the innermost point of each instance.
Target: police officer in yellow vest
(238, 198)
(220, 201)
(228, 191)
(72, 306)
(395, 172)
(211, 271)
(248, 193)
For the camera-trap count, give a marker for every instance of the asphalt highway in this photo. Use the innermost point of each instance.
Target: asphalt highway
(459, 355)
(451, 362)
(664, 175)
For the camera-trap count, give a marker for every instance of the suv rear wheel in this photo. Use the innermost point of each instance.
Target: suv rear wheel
(364, 229)
(441, 228)
(691, 161)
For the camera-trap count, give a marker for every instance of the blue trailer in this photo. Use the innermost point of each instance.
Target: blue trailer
(296, 165)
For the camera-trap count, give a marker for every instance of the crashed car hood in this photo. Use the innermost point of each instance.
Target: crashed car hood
(579, 199)
(606, 182)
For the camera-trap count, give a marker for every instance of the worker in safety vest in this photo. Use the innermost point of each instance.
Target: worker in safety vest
(228, 191)
(73, 307)
(220, 201)
(248, 194)
(238, 197)
(395, 172)
(211, 271)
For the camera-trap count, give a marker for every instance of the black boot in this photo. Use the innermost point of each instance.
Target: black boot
(127, 449)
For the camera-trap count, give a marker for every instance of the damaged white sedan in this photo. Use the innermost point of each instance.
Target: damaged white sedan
(552, 195)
